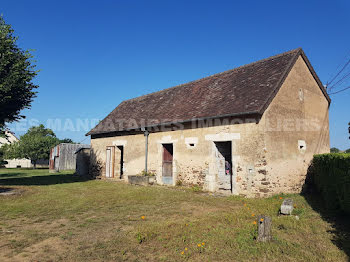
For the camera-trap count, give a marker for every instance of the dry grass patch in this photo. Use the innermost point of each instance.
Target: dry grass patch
(60, 217)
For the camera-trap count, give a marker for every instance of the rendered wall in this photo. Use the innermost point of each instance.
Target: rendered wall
(298, 116)
(266, 154)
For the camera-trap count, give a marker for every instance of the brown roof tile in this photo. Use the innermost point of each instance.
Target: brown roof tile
(245, 90)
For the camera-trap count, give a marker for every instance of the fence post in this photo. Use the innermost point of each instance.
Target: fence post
(264, 228)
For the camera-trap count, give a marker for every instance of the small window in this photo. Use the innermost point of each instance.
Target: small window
(301, 94)
(191, 142)
(301, 145)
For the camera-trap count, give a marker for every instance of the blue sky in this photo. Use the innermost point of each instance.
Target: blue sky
(94, 54)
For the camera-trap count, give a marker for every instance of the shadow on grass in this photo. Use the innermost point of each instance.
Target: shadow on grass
(42, 180)
(11, 175)
(5, 189)
(340, 222)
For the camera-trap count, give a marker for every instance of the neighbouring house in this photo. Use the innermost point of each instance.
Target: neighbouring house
(82, 161)
(19, 163)
(63, 157)
(252, 130)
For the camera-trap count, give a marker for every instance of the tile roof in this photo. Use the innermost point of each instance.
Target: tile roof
(245, 90)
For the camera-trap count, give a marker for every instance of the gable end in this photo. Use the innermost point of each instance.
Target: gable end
(286, 73)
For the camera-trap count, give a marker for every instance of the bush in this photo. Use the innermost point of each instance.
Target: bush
(331, 176)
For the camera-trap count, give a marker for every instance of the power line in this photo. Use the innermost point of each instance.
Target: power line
(83, 140)
(339, 91)
(341, 70)
(340, 80)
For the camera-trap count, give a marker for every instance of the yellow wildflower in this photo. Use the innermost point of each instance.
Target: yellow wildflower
(261, 219)
(203, 244)
(254, 222)
(186, 248)
(182, 253)
(199, 245)
(142, 217)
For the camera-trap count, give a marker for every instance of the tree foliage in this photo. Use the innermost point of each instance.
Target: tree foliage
(16, 75)
(33, 145)
(67, 140)
(2, 160)
(335, 150)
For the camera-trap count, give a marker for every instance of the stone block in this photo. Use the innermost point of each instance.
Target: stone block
(141, 180)
(287, 207)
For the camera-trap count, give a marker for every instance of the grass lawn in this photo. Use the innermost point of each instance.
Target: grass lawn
(60, 217)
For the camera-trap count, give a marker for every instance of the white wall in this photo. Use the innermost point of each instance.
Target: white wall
(13, 163)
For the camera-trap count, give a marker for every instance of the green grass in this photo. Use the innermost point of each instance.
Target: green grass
(61, 217)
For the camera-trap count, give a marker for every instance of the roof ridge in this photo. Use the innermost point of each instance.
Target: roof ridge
(216, 74)
(271, 63)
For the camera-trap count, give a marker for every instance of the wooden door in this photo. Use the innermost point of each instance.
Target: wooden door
(167, 163)
(109, 162)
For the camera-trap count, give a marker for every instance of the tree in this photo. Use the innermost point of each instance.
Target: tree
(2, 161)
(67, 140)
(16, 75)
(335, 150)
(33, 145)
(347, 151)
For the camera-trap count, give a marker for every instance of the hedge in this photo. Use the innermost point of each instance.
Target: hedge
(331, 176)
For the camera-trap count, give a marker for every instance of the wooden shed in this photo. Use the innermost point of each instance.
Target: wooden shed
(82, 161)
(63, 157)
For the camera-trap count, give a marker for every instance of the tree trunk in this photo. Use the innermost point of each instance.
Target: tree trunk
(34, 164)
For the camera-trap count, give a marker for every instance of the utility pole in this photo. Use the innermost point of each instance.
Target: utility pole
(146, 134)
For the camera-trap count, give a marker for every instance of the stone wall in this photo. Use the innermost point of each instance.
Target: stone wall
(194, 162)
(270, 154)
(295, 128)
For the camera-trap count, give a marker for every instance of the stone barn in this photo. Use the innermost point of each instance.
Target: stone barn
(252, 130)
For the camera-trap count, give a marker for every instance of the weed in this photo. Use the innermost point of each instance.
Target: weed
(196, 188)
(148, 173)
(140, 237)
(179, 182)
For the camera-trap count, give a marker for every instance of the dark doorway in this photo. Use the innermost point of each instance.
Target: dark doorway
(167, 172)
(224, 165)
(121, 162)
